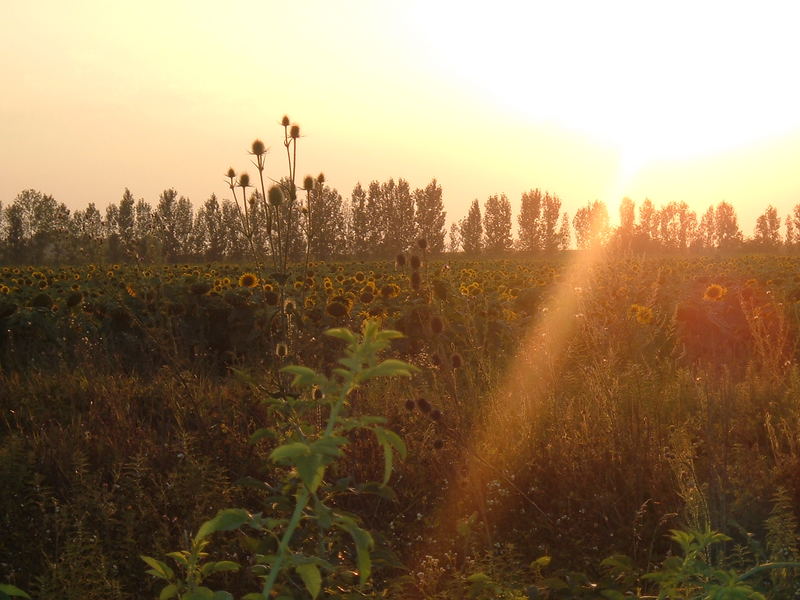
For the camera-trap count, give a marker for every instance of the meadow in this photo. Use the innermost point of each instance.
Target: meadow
(576, 426)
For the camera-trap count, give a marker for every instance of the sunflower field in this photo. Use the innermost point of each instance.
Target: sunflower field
(569, 419)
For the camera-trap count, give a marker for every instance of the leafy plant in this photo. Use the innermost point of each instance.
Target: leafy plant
(298, 539)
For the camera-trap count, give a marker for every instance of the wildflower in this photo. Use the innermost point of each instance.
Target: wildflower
(248, 280)
(714, 292)
(336, 309)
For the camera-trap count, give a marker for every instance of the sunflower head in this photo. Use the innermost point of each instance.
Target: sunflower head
(248, 280)
(714, 293)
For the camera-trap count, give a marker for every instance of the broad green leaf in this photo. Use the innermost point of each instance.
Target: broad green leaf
(303, 376)
(159, 569)
(180, 557)
(342, 334)
(290, 452)
(219, 567)
(311, 471)
(253, 596)
(222, 595)
(364, 544)
(394, 440)
(168, 592)
(201, 593)
(541, 562)
(323, 513)
(311, 577)
(388, 368)
(260, 434)
(12, 590)
(329, 446)
(226, 520)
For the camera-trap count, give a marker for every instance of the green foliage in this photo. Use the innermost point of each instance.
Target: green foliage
(307, 452)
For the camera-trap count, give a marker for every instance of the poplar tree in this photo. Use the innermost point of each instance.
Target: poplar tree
(497, 224)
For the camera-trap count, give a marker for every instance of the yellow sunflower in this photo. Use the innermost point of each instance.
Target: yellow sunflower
(248, 280)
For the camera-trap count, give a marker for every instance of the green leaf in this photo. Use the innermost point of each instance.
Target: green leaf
(541, 562)
(222, 595)
(311, 471)
(159, 569)
(201, 593)
(253, 596)
(290, 452)
(394, 440)
(329, 446)
(226, 520)
(260, 434)
(364, 544)
(168, 592)
(343, 334)
(388, 368)
(311, 577)
(303, 376)
(12, 590)
(219, 567)
(480, 578)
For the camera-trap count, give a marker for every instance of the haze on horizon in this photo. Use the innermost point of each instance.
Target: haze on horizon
(674, 101)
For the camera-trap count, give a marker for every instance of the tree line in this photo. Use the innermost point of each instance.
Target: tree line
(378, 220)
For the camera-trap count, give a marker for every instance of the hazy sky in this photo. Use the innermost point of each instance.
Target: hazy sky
(695, 101)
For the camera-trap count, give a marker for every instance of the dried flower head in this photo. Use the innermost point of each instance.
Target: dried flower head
(422, 243)
(231, 174)
(275, 195)
(285, 121)
(244, 180)
(258, 148)
(308, 182)
(423, 405)
(294, 132)
(455, 360)
(321, 178)
(410, 405)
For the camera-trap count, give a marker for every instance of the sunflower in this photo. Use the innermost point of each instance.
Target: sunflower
(715, 292)
(248, 280)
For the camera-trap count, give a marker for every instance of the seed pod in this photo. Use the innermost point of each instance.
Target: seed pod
(244, 180)
(285, 121)
(308, 182)
(423, 405)
(436, 415)
(294, 132)
(321, 178)
(410, 405)
(455, 360)
(231, 173)
(275, 195)
(258, 148)
(438, 445)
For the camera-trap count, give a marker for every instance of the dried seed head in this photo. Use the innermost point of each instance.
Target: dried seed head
(294, 132)
(308, 182)
(438, 445)
(422, 243)
(285, 120)
(244, 180)
(410, 405)
(423, 405)
(321, 178)
(456, 361)
(231, 173)
(275, 195)
(258, 148)
(436, 415)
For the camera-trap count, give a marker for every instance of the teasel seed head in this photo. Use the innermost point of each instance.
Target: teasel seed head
(410, 405)
(244, 180)
(285, 121)
(294, 132)
(308, 182)
(258, 148)
(423, 405)
(275, 195)
(231, 174)
(321, 178)
(456, 361)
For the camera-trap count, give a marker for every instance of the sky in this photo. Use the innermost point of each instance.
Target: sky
(687, 101)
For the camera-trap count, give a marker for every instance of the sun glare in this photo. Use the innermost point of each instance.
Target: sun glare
(681, 82)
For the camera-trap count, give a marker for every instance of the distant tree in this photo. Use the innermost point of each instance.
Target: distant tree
(529, 221)
(727, 230)
(87, 225)
(376, 225)
(707, 230)
(564, 233)
(591, 225)
(235, 243)
(399, 221)
(626, 232)
(548, 223)
(471, 230)
(647, 229)
(768, 229)
(208, 231)
(325, 222)
(793, 227)
(454, 241)
(430, 216)
(497, 224)
(359, 222)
